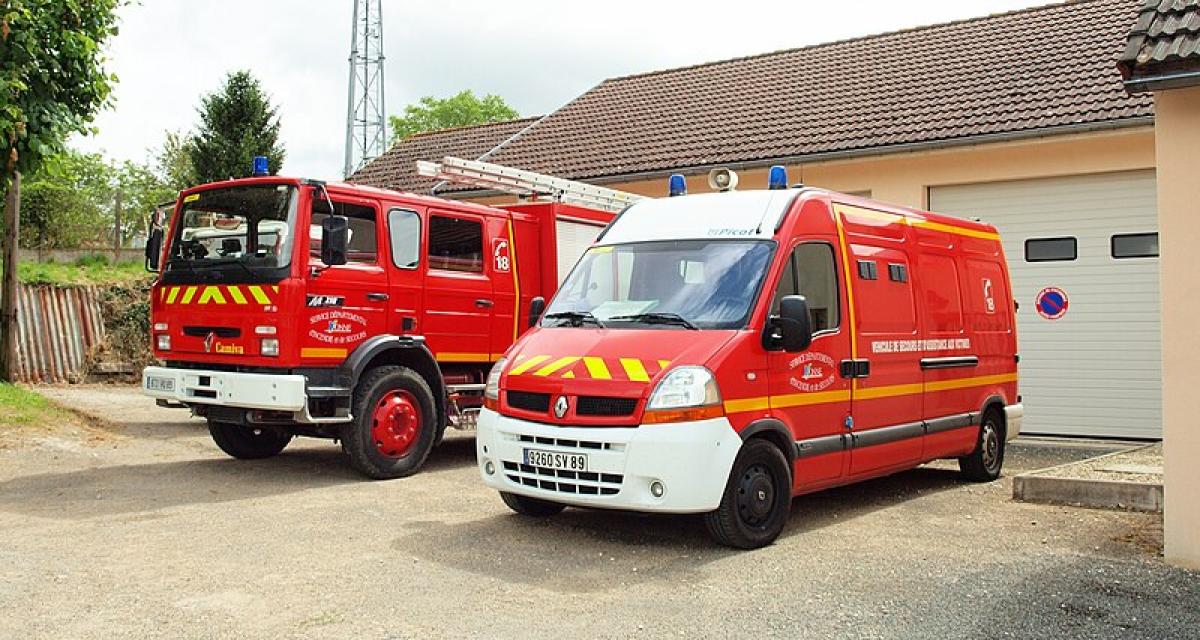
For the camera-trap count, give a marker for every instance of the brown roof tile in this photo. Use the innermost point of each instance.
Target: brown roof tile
(396, 169)
(1165, 40)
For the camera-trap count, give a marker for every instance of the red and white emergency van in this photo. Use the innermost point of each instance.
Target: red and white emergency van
(288, 307)
(721, 353)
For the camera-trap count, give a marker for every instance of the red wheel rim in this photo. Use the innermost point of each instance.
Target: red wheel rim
(395, 423)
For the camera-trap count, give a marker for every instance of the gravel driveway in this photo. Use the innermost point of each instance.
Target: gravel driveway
(148, 531)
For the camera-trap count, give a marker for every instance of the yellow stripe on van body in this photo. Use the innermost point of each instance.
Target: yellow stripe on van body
(596, 368)
(804, 399)
(966, 383)
(890, 391)
(527, 365)
(188, 294)
(915, 222)
(556, 365)
(322, 353)
(512, 264)
(634, 370)
(740, 405)
(259, 295)
(172, 294)
(211, 293)
(447, 356)
(236, 293)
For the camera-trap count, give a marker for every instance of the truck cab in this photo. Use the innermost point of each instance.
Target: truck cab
(722, 353)
(288, 307)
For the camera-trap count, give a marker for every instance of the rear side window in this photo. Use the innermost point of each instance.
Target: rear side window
(455, 244)
(1051, 249)
(364, 245)
(1135, 245)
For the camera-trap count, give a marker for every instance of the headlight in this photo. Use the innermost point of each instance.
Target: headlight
(685, 387)
(269, 347)
(491, 389)
(163, 342)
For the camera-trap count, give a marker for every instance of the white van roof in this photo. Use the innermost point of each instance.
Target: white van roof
(730, 215)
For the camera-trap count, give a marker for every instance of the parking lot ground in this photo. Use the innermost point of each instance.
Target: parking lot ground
(136, 526)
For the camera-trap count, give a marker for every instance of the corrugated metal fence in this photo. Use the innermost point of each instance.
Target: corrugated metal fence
(56, 329)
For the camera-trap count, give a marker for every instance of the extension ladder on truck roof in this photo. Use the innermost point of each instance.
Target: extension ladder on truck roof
(523, 183)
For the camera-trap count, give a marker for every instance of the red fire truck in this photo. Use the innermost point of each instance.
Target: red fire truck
(288, 307)
(721, 353)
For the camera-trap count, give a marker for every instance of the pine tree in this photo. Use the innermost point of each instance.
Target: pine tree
(237, 123)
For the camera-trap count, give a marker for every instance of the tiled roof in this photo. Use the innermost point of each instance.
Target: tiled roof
(1165, 40)
(1029, 72)
(396, 169)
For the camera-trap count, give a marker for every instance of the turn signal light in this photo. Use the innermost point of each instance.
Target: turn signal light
(491, 403)
(661, 416)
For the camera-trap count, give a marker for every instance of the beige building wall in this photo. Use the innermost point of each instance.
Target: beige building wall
(1177, 114)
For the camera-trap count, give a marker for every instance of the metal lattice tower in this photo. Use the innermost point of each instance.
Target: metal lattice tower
(366, 118)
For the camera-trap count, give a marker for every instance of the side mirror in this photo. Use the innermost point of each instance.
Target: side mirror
(791, 330)
(154, 249)
(335, 240)
(537, 306)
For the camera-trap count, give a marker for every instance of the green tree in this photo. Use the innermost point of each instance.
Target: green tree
(237, 123)
(173, 161)
(433, 114)
(68, 203)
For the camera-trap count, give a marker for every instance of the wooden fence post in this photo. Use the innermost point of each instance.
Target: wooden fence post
(8, 287)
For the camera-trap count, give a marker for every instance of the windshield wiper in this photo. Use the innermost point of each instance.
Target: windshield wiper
(659, 318)
(577, 318)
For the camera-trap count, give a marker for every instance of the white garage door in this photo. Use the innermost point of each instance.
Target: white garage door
(1092, 368)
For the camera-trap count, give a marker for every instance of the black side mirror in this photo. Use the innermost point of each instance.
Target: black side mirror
(536, 307)
(791, 330)
(335, 240)
(154, 249)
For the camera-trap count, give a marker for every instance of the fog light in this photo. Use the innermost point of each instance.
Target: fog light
(657, 489)
(489, 468)
(269, 347)
(163, 342)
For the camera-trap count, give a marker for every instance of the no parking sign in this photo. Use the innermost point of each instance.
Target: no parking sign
(1052, 303)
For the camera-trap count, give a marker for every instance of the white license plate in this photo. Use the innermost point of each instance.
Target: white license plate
(555, 460)
(156, 383)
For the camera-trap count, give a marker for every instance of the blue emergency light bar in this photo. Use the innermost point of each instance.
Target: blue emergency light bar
(777, 178)
(260, 166)
(677, 185)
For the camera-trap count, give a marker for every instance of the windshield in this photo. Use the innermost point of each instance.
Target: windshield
(679, 284)
(245, 226)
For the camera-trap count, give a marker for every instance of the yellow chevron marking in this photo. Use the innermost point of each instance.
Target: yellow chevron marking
(596, 368)
(634, 370)
(556, 365)
(171, 295)
(258, 294)
(275, 288)
(663, 364)
(527, 365)
(569, 375)
(236, 294)
(187, 295)
(211, 293)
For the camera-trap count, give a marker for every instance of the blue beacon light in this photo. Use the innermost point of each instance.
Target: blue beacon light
(260, 166)
(777, 178)
(677, 185)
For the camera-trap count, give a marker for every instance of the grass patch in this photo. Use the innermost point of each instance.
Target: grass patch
(91, 270)
(20, 407)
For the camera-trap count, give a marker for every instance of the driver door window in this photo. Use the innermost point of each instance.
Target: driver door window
(364, 243)
(812, 273)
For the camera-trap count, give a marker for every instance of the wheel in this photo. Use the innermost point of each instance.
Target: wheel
(395, 423)
(983, 465)
(757, 499)
(248, 442)
(531, 506)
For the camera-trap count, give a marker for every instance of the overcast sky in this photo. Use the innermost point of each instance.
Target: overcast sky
(537, 55)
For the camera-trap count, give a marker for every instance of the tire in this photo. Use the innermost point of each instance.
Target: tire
(757, 499)
(531, 507)
(395, 423)
(984, 464)
(248, 442)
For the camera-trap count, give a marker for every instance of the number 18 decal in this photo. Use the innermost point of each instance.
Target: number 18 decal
(501, 261)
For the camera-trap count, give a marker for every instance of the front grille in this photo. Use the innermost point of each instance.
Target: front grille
(602, 406)
(584, 483)
(527, 401)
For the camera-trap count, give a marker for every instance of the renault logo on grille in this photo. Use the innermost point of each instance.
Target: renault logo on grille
(208, 341)
(560, 407)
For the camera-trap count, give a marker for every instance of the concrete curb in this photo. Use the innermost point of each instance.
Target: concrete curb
(1103, 494)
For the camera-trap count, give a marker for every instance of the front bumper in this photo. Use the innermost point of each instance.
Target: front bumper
(692, 460)
(271, 392)
(1014, 414)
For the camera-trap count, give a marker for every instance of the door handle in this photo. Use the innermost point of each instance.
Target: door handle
(377, 297)
(483, 303)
